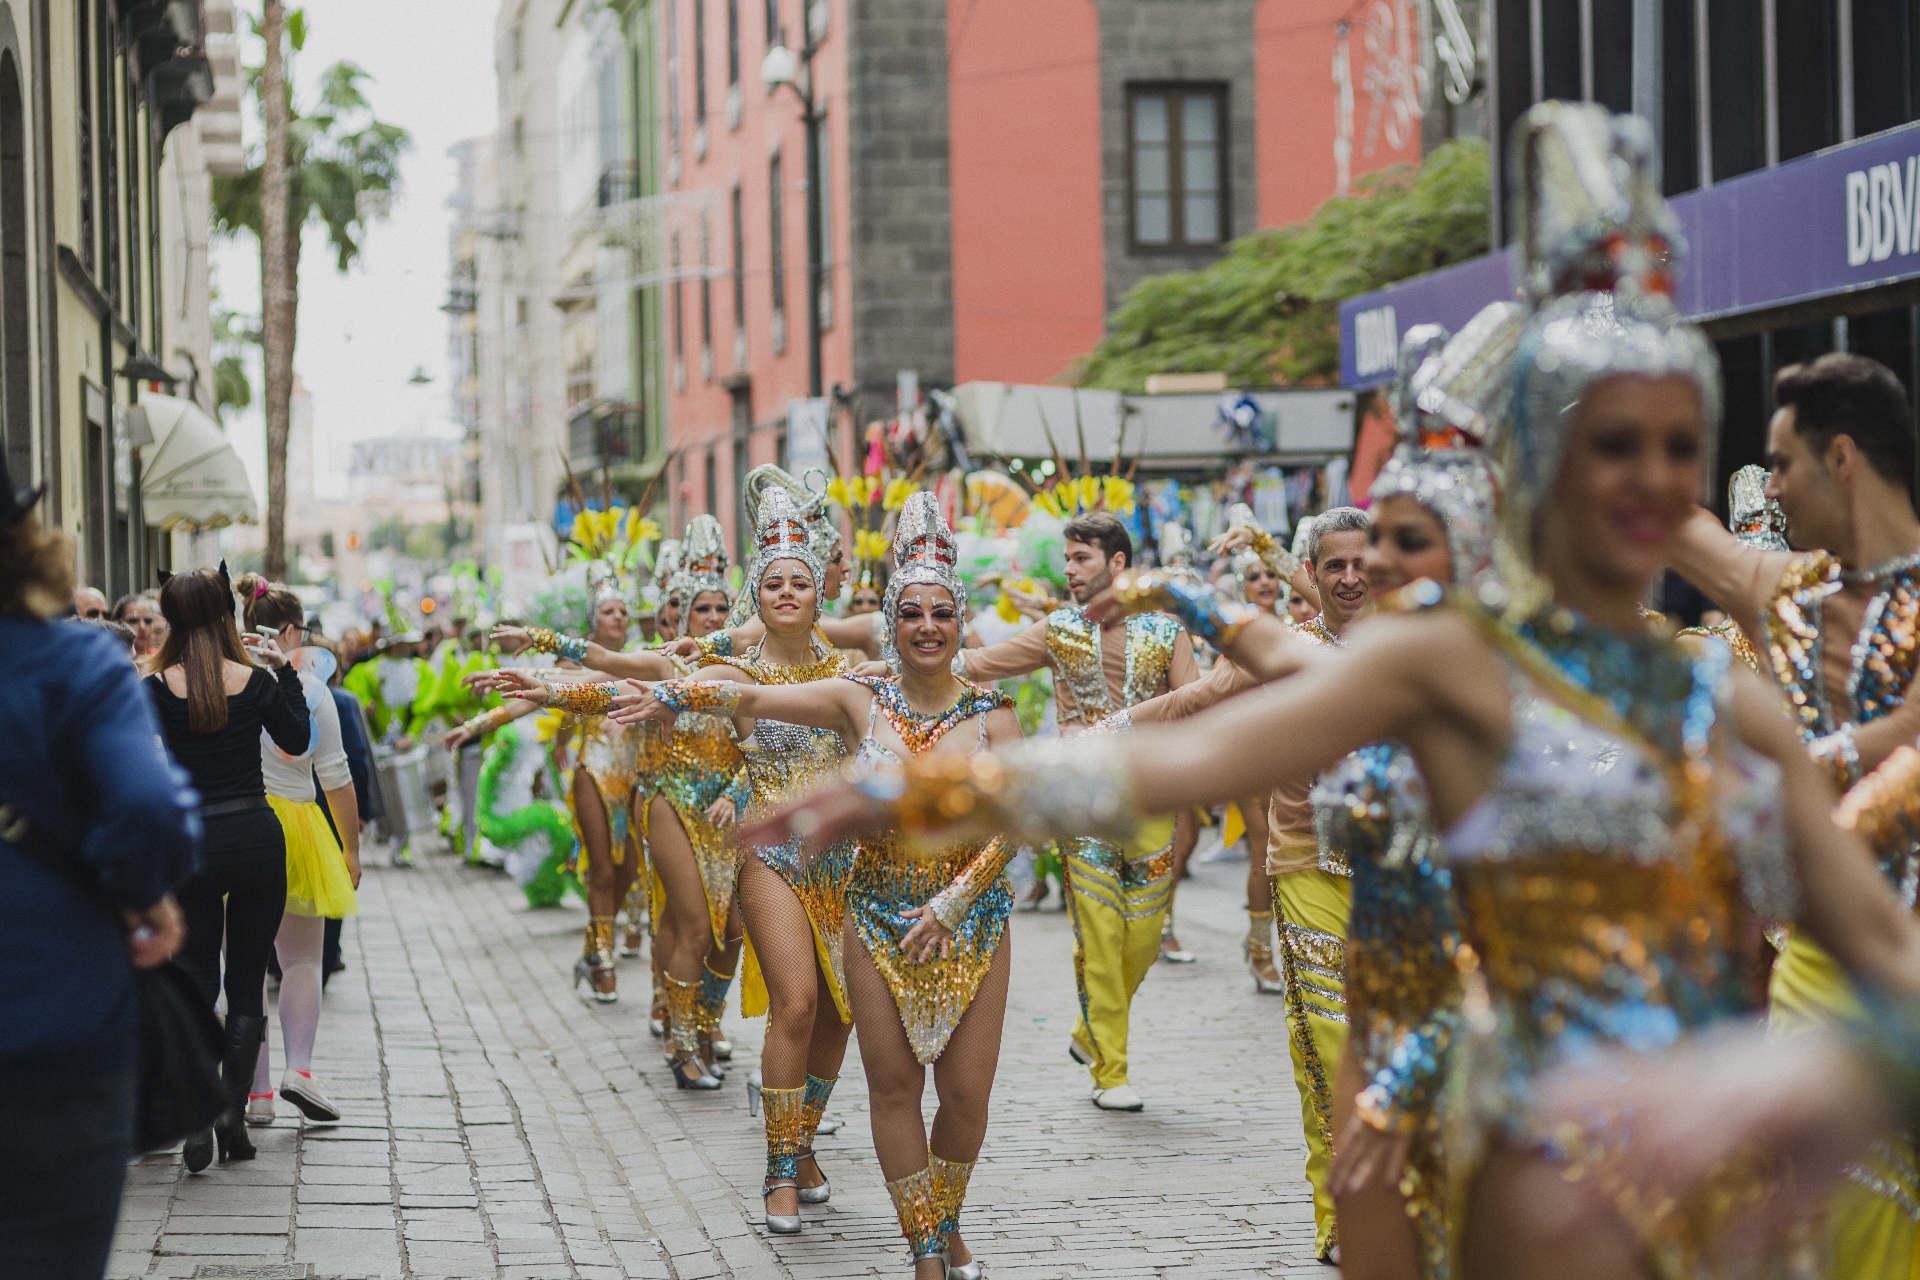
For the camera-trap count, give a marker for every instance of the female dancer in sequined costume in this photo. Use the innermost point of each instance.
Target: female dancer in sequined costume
(926, 953)
(1609, 908)
(793, 905)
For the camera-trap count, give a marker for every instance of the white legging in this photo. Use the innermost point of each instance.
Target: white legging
(298, 945)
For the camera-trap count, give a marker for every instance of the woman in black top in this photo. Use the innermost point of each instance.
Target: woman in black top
(213, 701)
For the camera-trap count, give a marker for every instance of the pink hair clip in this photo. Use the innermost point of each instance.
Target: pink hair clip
(259, 590)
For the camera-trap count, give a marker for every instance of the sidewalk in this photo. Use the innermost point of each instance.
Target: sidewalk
(496, 1125)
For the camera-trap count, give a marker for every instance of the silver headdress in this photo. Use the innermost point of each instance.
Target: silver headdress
(1175, 545)
(1451, 393)
(703, 561)
(666, 567)
(779, 533)
(808, 498)
(924, 551)
(1755, 518)
(1599, 247)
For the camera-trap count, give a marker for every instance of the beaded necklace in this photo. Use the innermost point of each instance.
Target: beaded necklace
(920, 730)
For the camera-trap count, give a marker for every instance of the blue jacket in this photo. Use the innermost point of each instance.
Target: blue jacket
(81, 759)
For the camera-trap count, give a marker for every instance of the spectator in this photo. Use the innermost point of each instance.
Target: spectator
(141, 611)
(120, 631)
(90, 603)
(91, 812)
(213, 702)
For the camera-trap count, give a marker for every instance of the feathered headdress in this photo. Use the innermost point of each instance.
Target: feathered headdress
(924, 552)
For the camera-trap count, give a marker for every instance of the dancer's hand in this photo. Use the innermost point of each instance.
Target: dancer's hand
(456, 737)
(872, 669)
(484, 681)
(153, 935)
(927, 939)
(684, 647)
(511, 683)
(1235, 539)
(1807, 1104)
(722, 813)
(510, 637)
(819, 820)
(1364, 1156)
(637, 704)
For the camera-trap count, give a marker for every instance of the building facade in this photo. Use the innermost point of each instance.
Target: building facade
(993, 176)
(111, 121)
(1787, 130)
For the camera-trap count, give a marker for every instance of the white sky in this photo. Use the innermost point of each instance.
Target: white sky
(362, 334)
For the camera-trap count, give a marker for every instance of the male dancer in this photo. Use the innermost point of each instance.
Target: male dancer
(1116, 896)
(1841, 626)
(1311, 890)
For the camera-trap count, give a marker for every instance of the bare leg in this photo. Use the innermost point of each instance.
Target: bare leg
(1527, 1221)
(804, 1031)
(682, 932)
(603, 887)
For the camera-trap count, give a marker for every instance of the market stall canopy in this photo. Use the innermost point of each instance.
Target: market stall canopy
(190, 476)
(1170, 431)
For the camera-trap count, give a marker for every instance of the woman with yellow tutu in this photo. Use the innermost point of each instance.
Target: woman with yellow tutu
(323, 870)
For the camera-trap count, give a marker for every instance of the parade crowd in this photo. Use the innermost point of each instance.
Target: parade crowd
(1594, 935)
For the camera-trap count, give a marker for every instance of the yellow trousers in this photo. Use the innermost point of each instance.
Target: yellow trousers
(1873, 1219)
(1117, 897)
(1311, 908)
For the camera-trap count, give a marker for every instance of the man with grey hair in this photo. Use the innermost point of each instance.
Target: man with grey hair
(1311, 889)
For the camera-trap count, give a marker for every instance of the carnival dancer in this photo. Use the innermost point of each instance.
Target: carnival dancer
(1117, 892)
(1609, 909)
(926, 953)
(1756, 521)
(1840, 625)
(604, 779)
(1309, 879)
(323, 871)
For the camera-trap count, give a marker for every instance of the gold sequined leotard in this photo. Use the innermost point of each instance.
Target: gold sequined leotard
(610, 755)
(784, 760)
(697, 765)
(964, 885)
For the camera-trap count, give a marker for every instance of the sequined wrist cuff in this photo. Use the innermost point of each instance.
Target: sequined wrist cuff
(1197, 605)
(1035, 791)
(717, 645)
(1119, 722)
(683, 696)
(584, 699)
(949, 907)
(1884, 807)
(1839, 755)
(547, 640)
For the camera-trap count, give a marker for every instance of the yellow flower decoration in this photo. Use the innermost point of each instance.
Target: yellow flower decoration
(853, 491)
(1116, 495)
(1048, 500)
(870, 544)
(899, 489)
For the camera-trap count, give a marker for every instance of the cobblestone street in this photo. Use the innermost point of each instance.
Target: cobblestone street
(496, 1125)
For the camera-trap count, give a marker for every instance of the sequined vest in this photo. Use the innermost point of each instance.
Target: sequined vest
(1073, 646)
(1885, 658)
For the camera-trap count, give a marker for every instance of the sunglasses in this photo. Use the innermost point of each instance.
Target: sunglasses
(94, 615)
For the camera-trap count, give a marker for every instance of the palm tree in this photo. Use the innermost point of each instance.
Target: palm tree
(334, 163)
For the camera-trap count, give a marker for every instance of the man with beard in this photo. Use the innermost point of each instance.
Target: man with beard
(1117, 896)
(1839, 624)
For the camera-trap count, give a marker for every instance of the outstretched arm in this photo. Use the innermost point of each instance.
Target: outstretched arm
(1222, 681)
(1018, 655)
(1733, 575)
(840, 705)
(1258, 642)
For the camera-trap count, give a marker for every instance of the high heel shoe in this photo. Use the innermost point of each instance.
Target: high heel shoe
(1256, 956)
(197, 1152)
(754, 1089)
(974, 1270)
(722, 1048)
(820, 1194)
(699, 1079)
(237, 1062)
(599, 979)
(779, 1224)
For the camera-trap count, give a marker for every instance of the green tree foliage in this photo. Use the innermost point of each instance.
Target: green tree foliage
(1267, 313)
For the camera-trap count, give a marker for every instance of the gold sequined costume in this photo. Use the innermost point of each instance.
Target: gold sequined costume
(965, 885)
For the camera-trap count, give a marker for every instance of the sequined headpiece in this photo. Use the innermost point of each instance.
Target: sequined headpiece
(924, 551)
(779, 533)
(808, 503)
(1451, 393)
(1755, 518)
(666, 567)
(1175, 545)
(1599, 248)
(703, 561)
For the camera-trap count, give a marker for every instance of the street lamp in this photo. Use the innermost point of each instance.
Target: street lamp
(782, 68)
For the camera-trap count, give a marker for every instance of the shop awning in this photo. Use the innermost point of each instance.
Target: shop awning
(190, 477)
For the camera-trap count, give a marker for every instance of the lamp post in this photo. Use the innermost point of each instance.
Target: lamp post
(782, 68)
